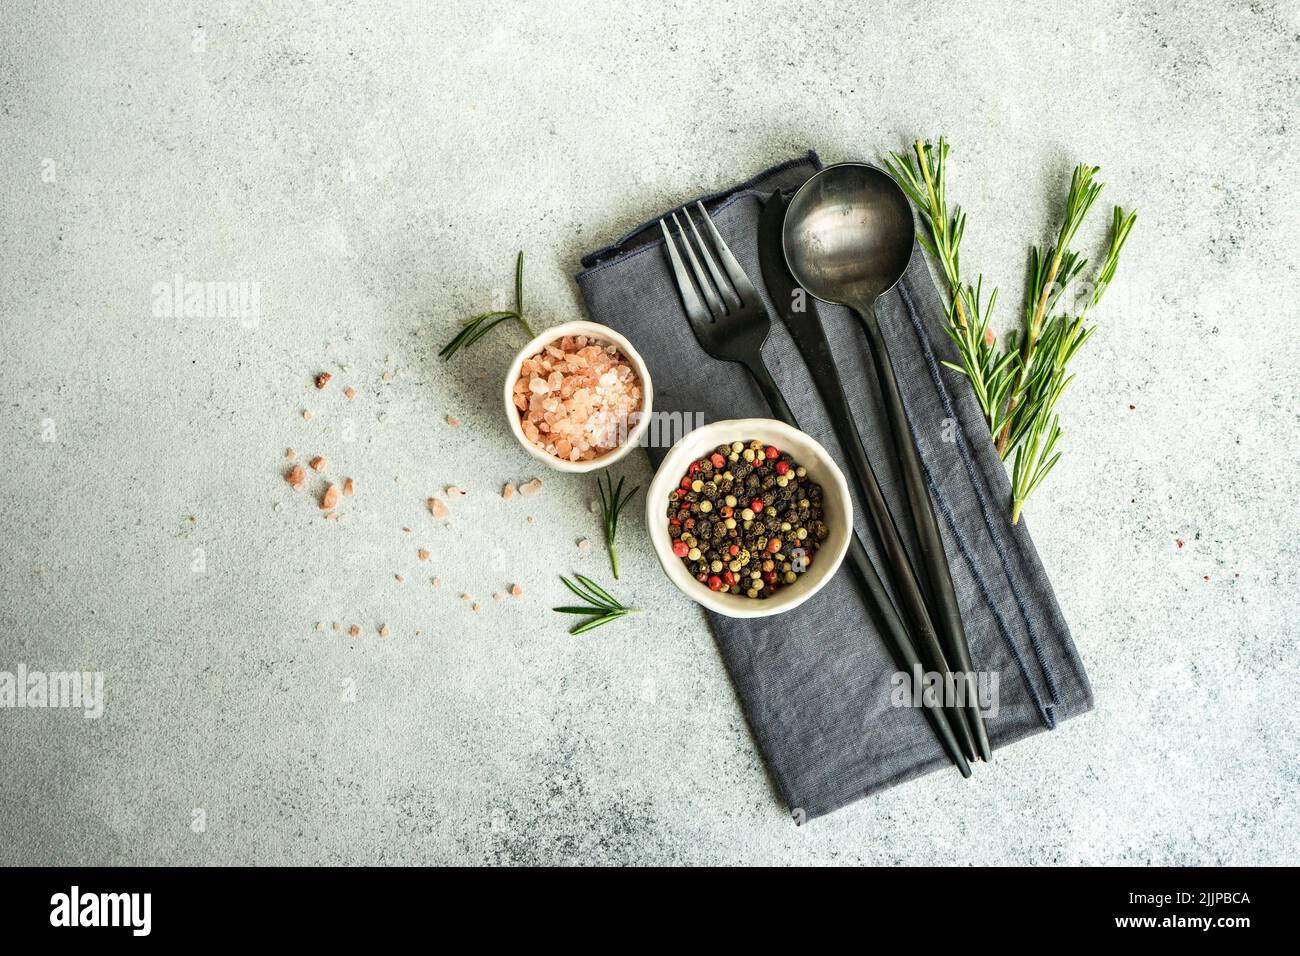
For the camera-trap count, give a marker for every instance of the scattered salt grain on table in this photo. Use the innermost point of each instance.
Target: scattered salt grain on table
(584, 545)
(348, 487)
(531, 488)
(516, 591)
(436, 582)
(453, 421)
(296, 476)
(437, 508)
(457, 492)
(317, 463)
(384, 631)
(508, 491)
(350, 392)
(574, 397)
(354, 630)
(330, 498)
(423, 554)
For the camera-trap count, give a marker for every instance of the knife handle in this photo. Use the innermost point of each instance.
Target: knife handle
(943, 597)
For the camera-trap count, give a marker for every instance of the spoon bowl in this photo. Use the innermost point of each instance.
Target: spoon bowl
(848, 234)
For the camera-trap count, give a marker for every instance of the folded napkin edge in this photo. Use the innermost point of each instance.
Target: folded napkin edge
(609, 254)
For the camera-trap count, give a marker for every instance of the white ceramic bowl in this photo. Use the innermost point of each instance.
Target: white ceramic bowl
(601, 333)
(837, 508)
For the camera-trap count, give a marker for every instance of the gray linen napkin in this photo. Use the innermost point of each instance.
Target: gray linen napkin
(815, 682)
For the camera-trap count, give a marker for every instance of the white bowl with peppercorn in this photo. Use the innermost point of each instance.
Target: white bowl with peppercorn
(578, 397)
(749, 517)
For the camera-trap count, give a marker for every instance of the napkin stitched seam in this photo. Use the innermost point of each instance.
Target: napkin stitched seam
(1043, 710)
(1048, 711)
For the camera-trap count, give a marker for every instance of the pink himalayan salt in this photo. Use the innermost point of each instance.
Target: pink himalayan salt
(575, 396)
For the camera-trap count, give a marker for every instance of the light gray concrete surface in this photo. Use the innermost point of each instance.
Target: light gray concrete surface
(373, 168)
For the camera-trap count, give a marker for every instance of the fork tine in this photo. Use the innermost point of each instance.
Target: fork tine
(695, 310)
(733, 301)
(710, 294)
(744, 288)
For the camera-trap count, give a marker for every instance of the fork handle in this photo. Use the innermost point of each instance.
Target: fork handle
(771, 392)
(879, 604)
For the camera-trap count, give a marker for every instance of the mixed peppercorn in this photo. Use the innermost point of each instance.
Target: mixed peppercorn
(746, 519)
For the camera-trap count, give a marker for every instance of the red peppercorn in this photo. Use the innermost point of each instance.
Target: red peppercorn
(681, 548)
(734, 550)
(728, 578)
(756, 505)
(773, 545)
(675, 522)
(769, 577)
(726, 511)
(695, 466)
(715, 583)
(772, 452)
(688, 524)
(782, 467)
(685, 483)
(717, 459)
(702, 578)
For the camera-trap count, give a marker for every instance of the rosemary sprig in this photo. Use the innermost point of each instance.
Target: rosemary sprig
(1017, 388)
(612, 503)
(480, 325)
(1038, 426)
(924, 178)
(1050, 273)
(601, 607)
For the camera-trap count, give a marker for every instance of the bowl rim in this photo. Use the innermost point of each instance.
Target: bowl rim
(545, 338)
(830, 554)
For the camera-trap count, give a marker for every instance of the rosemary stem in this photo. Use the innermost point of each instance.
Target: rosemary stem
(1031, 339)
(613, 558)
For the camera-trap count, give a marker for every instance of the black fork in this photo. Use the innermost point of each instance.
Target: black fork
(731, 324)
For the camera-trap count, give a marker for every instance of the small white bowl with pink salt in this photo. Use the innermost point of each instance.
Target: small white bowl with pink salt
(578, 397)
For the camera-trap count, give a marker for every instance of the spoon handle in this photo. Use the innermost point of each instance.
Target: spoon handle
(878, 602)
(943, 597)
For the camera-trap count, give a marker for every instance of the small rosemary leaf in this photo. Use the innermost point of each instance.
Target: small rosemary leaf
(519, 284)
(490, 315)
(597, 589)
(590, 598)
(483, 328)
(569, 609)
(597, 622)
